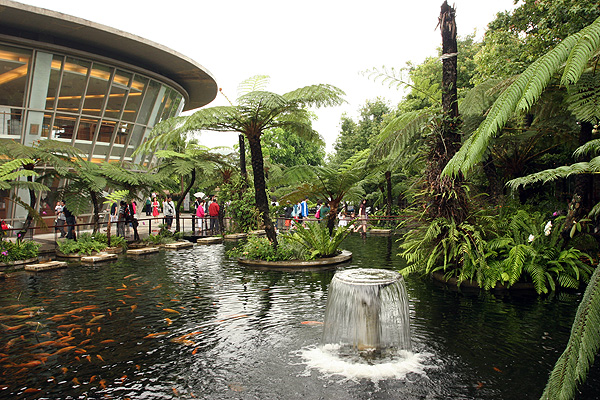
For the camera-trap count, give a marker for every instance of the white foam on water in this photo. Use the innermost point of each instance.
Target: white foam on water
(326, 360)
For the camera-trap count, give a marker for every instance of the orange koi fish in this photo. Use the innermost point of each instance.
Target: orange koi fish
(107, 341)
(169, 322)
(30, 364)
(99, 357)
(133, 307)
(96, 318)
(31, 390)
(75, 381)
(170, 310)
(12, 328)
(195, 350)
(69, 326)
(64, 350)
(157, 334)
(93, 378)
(103, 383)
(128, 276)
(157, 287)
(311, 323)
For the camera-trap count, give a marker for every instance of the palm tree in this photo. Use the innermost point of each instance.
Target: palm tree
(51, 153)
(334, 184)
(189, 161)
(257, 111)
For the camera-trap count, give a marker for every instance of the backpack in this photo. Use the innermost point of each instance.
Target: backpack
(318, 214)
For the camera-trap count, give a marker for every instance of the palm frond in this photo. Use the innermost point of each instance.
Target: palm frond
(316, 96)
(524, 92)
(584, 343)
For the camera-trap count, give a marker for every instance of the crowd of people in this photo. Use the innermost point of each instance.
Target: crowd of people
(208, 215)
(295, 214)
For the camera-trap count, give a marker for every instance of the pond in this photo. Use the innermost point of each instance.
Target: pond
(193, 324)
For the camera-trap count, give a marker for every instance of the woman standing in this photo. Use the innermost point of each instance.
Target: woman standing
(362, 216)
(155, 206)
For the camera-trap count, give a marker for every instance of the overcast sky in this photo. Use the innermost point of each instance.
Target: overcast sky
(296, 44)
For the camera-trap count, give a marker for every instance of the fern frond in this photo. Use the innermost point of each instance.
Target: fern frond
(584, 343)
(523, 93)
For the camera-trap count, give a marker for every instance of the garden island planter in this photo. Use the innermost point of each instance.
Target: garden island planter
(321, 263)
(17, 264)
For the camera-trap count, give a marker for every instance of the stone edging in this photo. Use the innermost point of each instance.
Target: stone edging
(322, 262)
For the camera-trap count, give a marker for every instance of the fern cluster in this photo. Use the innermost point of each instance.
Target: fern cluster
(88, 243)
(497, 251)
(316, 239)
(15, 251)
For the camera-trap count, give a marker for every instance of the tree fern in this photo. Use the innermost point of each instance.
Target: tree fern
(584, 343)
(526, 89)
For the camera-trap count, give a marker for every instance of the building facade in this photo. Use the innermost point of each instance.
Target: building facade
(94, 87)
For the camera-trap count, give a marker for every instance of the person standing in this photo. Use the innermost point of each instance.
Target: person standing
(70, 221)
(200, 215)
(169, 211)
(123, 217)
(148, 207)
(288, 212)
(324, 212)
(132, 220)
(213, 212)
(303, 210)
(362, 216)
(155, 207)
(60, 218)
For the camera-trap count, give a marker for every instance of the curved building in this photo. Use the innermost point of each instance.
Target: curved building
(97, 88)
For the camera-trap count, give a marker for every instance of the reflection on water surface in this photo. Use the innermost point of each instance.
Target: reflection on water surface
(192, 324)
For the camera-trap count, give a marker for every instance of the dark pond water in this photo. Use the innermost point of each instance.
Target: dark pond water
(192, 324)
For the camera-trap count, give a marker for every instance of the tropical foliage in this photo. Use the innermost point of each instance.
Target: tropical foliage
(15, 251)
(88, 243)
(318, 241)
(260, 248)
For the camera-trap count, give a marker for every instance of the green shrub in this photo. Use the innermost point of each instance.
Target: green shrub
(85, 244)
(13, 251)
(260, 248)
(317, 241)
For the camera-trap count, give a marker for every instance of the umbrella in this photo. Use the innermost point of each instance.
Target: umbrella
(199, 194)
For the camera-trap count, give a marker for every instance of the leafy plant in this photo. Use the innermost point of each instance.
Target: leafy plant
(163, 236)
(15, 251)
(85, 244)
(260, 248)
(317, 241)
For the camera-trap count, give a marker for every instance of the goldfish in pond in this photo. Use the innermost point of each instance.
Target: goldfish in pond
(170, 310)
(96, 318)
(153, 335)
(311, 323)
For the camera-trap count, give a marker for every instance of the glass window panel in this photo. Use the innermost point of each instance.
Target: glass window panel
(100, 152)
(86, 128)
(63, 127)
(134, 100)
(72, 86)
(152, 90)
(118, 92)
(14, 67)
(178, 99)
(117, 152)
(10, 121)
(136, 135)
(168, 105)
(97, 89)
(57, 62)
(46, 125)
(106, 131)
(123, 133)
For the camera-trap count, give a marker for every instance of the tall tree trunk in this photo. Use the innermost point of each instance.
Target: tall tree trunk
(96, 215)
(332, 215)
(243, 171)
(260, 193)
(184, 192)
(446, 196)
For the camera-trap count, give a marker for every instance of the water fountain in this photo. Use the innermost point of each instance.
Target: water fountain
(367, 313)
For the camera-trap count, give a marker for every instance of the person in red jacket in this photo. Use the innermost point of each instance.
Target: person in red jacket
(213, 212)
